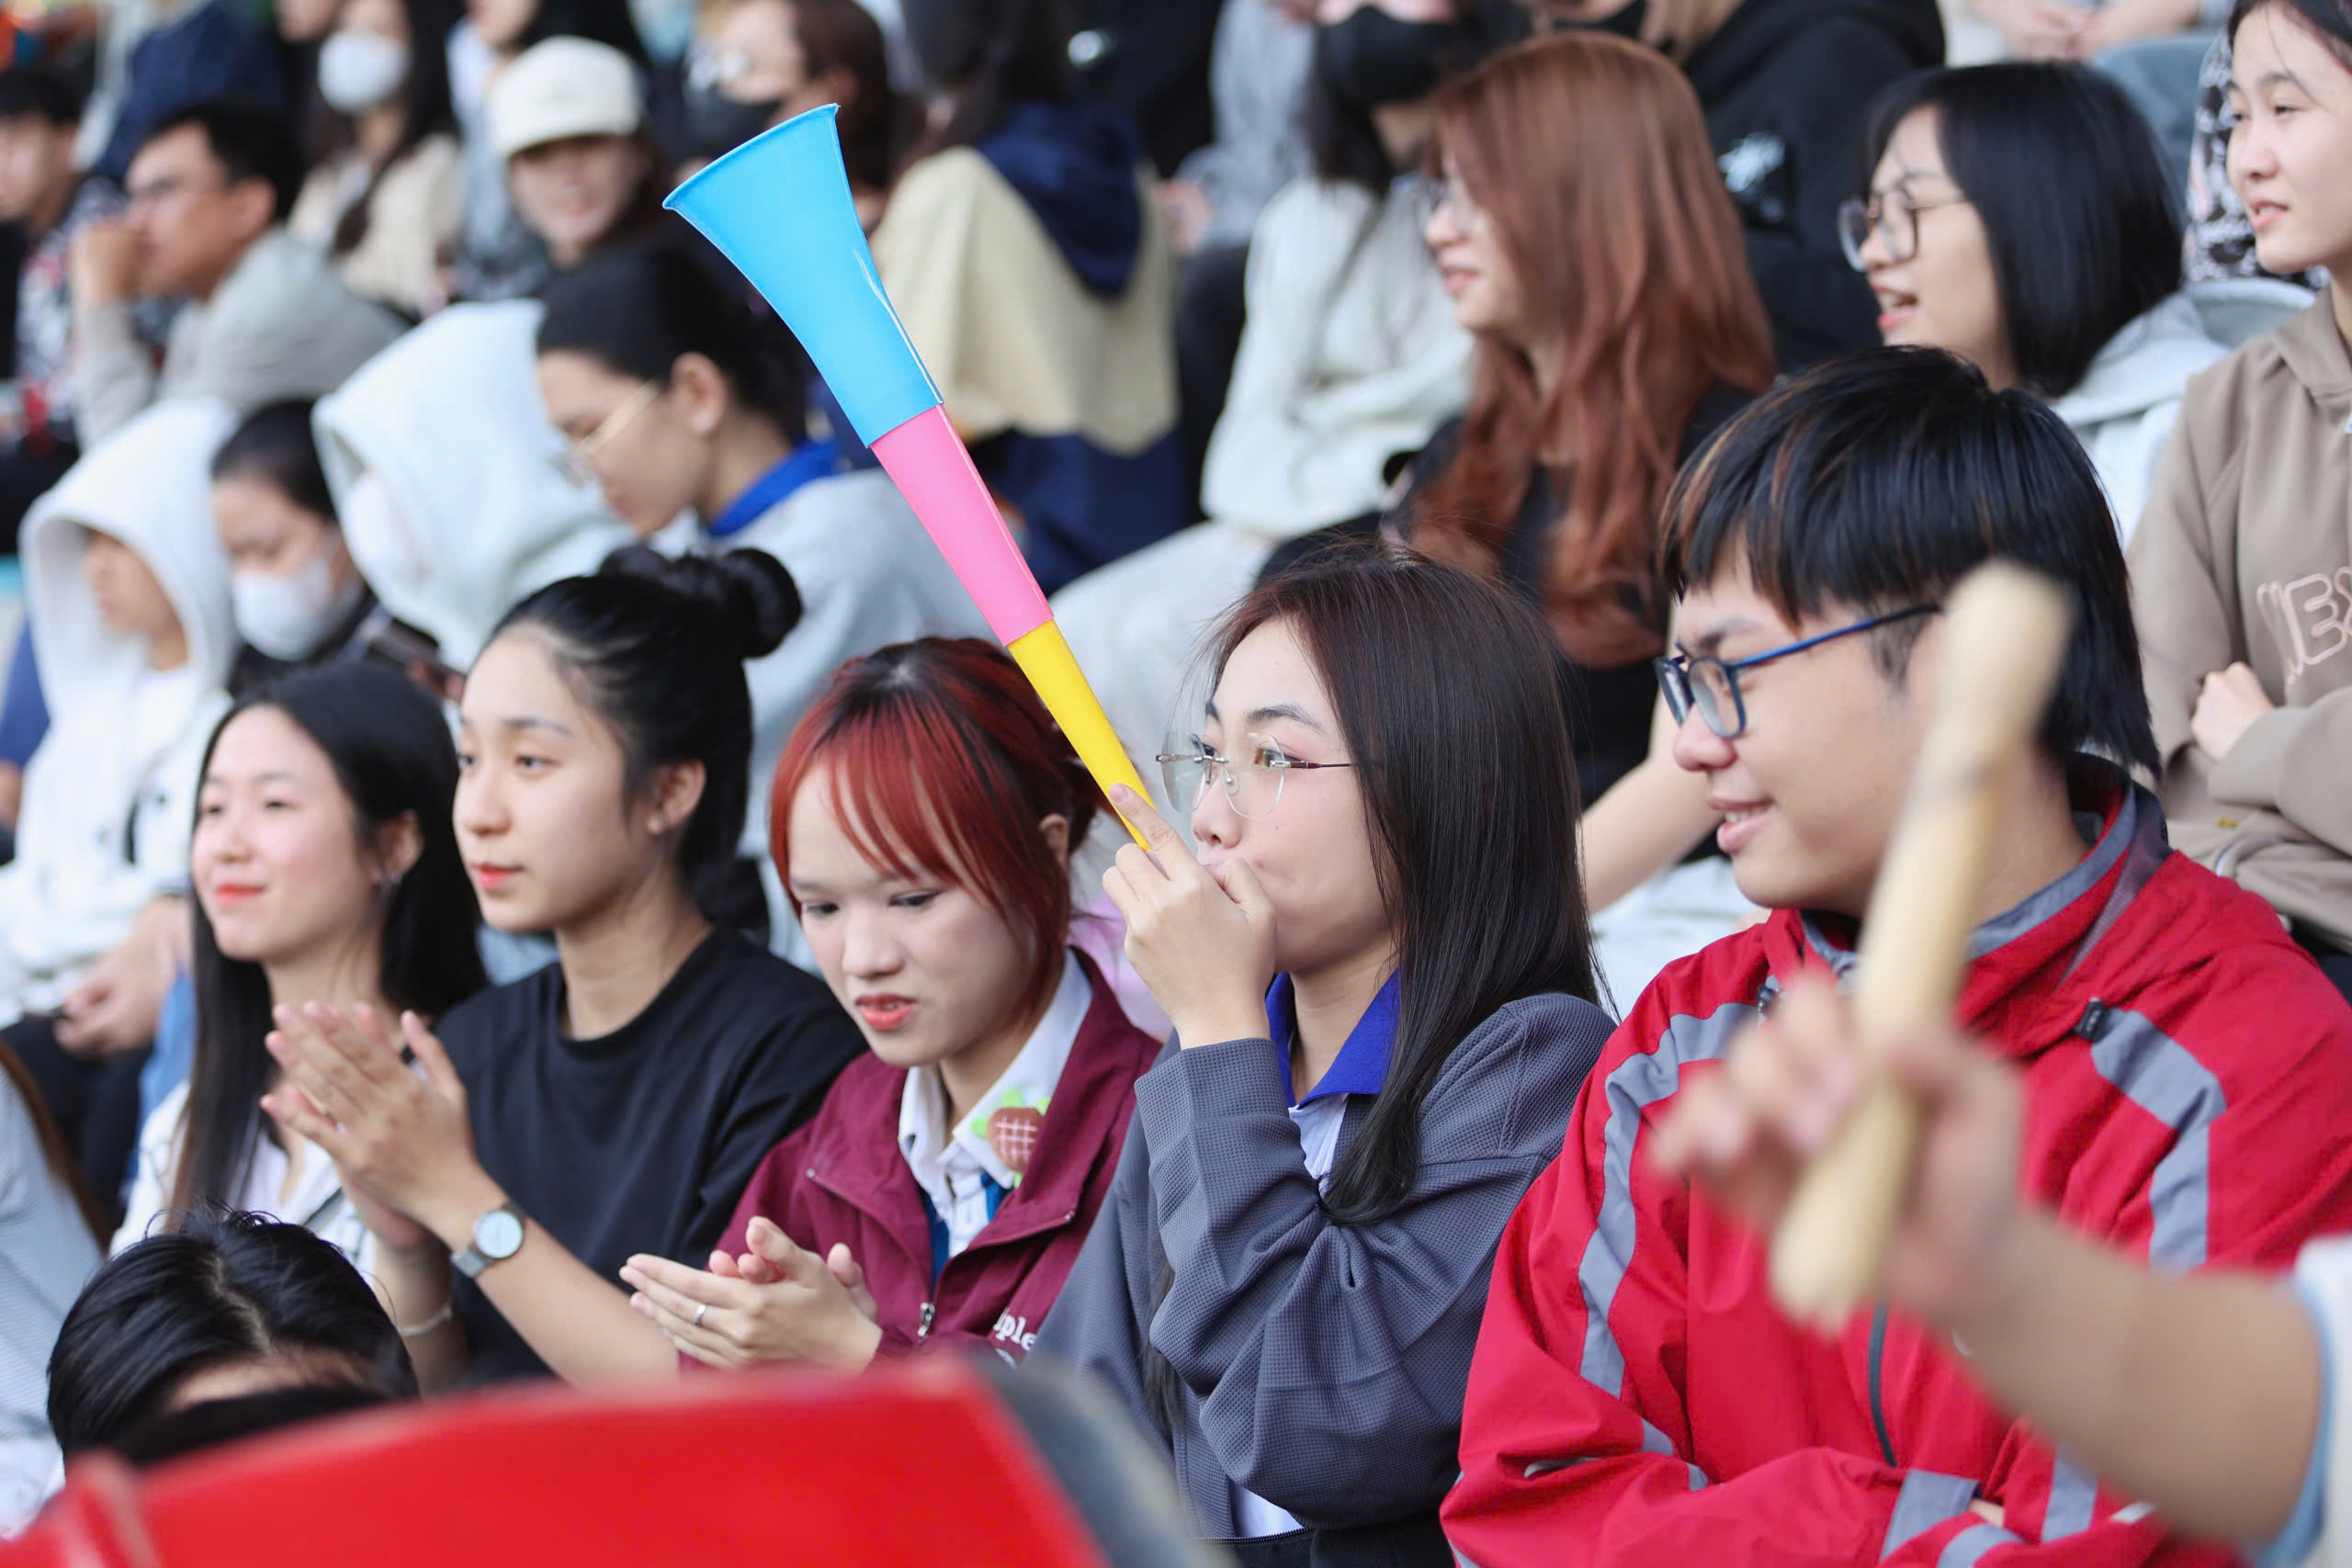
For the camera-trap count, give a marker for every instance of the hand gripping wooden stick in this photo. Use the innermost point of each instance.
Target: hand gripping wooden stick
(2004, 637)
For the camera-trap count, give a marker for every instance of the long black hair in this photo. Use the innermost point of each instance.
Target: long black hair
(989, 55)
(634, 310)
(226, 1288)
(390, 751)
(2081, 216)
(656, 645)
(1446, 691)
(426, 108)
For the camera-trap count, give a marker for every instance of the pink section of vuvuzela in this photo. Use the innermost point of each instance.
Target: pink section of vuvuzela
(928, 462)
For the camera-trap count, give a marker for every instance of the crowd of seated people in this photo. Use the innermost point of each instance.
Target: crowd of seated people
(522, 862)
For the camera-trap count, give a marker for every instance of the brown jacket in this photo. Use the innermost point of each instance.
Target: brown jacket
(2245, 553)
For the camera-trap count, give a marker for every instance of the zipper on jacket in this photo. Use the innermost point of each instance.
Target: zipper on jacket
(922, 1324)
(1878, 1400)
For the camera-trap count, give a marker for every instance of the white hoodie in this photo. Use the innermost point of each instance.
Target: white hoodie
(868, 576)
(110, 799)
(481, 510)
(2123, 408)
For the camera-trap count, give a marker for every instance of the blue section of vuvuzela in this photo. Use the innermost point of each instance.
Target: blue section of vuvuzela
(778, 207)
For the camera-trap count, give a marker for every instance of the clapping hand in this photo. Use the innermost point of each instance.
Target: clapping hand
(779, 1302)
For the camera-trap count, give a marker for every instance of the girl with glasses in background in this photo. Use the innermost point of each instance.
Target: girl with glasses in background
(2019, 216)
(1588, 243)
(1381, 982)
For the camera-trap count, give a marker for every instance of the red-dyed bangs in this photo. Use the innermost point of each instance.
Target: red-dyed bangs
(943, 763)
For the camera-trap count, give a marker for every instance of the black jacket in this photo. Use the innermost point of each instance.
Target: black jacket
(1785, 85)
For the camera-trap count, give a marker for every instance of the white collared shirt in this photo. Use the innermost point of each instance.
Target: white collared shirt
(316, 1202)
(949, 1164)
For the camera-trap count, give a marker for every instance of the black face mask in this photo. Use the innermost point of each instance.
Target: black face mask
(718, 124)
(1370, 58)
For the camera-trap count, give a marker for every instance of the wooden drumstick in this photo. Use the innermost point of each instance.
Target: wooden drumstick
(2004, 638)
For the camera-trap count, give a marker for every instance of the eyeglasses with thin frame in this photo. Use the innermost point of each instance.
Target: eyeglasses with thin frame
(153, 193)
(1895, 214)
(1253, 782)
(580, 454)
(1432, 196)
(1711, 685)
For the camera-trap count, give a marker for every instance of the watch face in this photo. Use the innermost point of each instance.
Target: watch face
(498, 1234)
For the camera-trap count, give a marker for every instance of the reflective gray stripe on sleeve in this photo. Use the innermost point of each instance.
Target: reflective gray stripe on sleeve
(1653, 1442)
(1964, 1550)
(2073, 1498)
(2156, 1073)
(1638, 1083)
(1927, 1500)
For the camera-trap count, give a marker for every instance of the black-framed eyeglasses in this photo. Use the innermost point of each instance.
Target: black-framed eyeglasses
(1895, 214)
(1253, 780)
(1711, 685)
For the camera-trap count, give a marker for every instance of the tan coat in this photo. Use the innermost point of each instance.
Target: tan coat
(412, 222)
(1011, 338)
(2245, 554)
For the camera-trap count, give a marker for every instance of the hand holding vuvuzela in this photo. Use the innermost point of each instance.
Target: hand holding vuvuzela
(2003, 639)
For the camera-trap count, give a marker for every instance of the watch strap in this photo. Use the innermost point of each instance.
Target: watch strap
(470, 1259)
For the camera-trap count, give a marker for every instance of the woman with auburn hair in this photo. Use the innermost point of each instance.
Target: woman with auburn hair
(1590, 246)
(922, 819)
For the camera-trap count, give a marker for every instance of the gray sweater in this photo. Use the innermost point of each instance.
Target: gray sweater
(1322, 1366)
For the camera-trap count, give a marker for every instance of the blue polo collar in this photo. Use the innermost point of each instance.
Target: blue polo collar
(1362, 1065)
(809, 461)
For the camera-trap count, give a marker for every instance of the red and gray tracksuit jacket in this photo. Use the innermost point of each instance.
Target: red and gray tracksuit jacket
(1636, 1399)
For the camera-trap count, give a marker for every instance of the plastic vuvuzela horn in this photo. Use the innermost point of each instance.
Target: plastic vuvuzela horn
(778, 207)
(2004, 637)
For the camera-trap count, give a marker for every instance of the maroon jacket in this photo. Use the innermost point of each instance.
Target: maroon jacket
(841, 1179)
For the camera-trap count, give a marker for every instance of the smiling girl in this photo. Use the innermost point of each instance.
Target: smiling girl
(324, 870)
(2242, 568)
(1380, 977)
(923, 816)
(615, 1102)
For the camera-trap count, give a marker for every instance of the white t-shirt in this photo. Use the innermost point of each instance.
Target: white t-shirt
(315, 1202)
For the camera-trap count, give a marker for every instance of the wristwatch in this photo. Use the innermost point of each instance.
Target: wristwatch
(498, 1235)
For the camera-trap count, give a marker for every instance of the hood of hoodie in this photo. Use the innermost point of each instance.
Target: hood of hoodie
(148, 485)
(1075, 164)
(2147, 363)
(481, 508)
(1754, 37)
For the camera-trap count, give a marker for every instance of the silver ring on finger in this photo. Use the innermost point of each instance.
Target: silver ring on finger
(698, 1311)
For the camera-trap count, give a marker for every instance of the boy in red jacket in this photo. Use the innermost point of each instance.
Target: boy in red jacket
(1635, 1397)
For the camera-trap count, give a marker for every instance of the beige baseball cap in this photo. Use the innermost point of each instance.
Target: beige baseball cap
(562, 88)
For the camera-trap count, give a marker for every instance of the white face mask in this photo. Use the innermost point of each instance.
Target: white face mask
(288, 617)
(359, 70)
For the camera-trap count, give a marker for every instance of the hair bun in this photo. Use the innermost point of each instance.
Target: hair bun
(754, 597)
